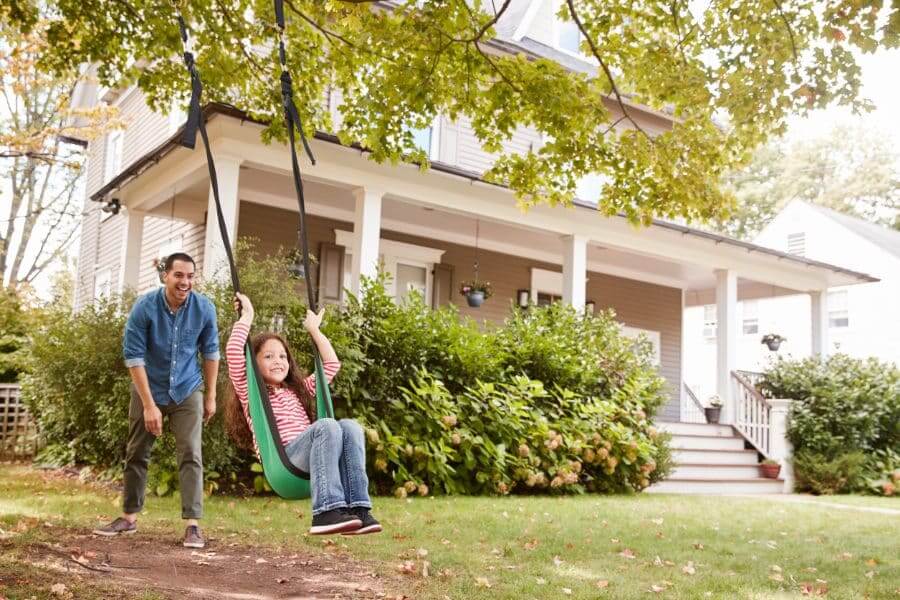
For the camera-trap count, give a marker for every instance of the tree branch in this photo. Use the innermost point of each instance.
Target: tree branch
(609, 75)
(790, 30)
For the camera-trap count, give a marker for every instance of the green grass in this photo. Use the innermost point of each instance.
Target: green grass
(892, 502)
(539, 547)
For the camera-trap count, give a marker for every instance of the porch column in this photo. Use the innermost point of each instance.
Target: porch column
(366, 232)
(726, 339)
(132, 242)
(215, 261)
(574, 270)
(819, 316)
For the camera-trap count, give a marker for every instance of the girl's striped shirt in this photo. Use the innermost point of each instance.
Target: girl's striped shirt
(290, 416)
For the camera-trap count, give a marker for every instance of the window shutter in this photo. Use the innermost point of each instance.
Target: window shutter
(442, 289)
(331, 273)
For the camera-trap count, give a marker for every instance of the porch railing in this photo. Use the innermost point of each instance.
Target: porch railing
(691, 407)
(18, 432)
(753, 416)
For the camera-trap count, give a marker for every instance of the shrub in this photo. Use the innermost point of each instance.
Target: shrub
(843, 408)
(13, 339)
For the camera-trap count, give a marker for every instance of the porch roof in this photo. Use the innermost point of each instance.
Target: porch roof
(832, 275)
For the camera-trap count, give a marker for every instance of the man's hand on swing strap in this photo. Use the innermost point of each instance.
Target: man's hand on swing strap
(153, 420)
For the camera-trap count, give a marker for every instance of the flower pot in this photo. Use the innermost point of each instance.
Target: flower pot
(773, 345)
(712, 413)
(475, 299)
(770, 471)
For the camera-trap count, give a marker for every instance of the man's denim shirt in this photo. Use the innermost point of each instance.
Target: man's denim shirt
(166, 343)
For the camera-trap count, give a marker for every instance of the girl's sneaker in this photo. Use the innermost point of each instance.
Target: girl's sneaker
(334, 521)
(369, 524)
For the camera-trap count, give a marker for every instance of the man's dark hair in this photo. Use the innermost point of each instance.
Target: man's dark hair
(170, 260)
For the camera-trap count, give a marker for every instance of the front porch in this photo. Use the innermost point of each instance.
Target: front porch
(421, 225)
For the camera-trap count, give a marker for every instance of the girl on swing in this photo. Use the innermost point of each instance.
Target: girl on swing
(332, 452)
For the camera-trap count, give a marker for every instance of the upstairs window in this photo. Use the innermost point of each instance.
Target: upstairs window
(709, 321)
(750, 317)
(113, 163)
(838, 311)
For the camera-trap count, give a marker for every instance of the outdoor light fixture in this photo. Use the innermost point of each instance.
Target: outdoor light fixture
(589, 307)
(523, 298)
(112, 206)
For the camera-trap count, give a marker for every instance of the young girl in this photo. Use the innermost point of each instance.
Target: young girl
(332, 452)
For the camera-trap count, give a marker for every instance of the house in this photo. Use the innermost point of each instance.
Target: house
(428, 227)
(861, 320)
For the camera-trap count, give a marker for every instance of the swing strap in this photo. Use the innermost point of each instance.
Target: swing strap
(197, 122)
(292, 121)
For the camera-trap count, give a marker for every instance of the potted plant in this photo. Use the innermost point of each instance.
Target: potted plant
(773, 341)
(770, 468)
(476, 292)
(714, 410)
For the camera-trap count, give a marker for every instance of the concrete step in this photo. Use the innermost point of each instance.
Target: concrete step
(706, 442)
(722, 471)
(715, 457)
(704, 429)
(718, 486)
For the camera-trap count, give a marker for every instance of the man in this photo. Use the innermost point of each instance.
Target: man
(166, 330)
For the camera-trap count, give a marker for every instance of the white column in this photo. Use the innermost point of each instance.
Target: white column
(366, 233)
(780, 448)
(726, 340)
(215, 261)
(819, 316)
(574, 270)
(132, 242)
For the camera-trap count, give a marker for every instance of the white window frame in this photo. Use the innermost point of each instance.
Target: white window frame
(112, 160)
(749, 317)
(434, 138)
(392, 253)
(102, 284)
(710, 323)
(545, 282)
(655, 338)
(840, 312)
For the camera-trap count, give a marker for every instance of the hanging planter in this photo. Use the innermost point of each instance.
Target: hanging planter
(773, 341)
(475, 292)
(714, 411)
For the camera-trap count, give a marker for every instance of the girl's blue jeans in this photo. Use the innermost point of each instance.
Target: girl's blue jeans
(334, 455)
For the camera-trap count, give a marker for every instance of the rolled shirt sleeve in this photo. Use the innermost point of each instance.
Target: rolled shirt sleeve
(209, 336)
(134, 343)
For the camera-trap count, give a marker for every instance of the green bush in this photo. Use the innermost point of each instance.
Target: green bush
(843, 408)
(549, 401)
(13, 330)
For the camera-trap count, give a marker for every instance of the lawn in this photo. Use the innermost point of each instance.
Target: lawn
(539, 547)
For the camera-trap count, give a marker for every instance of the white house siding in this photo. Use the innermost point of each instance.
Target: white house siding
(158, 232)
(146, 129)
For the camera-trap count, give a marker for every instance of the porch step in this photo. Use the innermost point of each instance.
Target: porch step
(716, 457)
(726, 471)
(718, 486)
(704, 429)
(706, 442)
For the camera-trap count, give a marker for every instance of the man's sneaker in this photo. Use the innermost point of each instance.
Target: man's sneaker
(193, 538)
(120, 526)
(369, 524)
(334, 521)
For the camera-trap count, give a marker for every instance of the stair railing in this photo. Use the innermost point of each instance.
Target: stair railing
(753, 419)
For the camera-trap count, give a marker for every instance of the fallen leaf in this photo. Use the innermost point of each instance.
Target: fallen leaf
(627, 553)
(422, 552)
(557, 561)
(614, 540)
(776, 577)
(845, 556)
(567, 591)
(658, 589)
(482, 582)
(407, 567)
(870, 574)
(260, 561)
(775, 568)
(541, 581)
(698, 546)
(531, 545)
(689, 569)
(657, 562)
(871, 562)
(603, 584)
(657, 521)
(281, 580)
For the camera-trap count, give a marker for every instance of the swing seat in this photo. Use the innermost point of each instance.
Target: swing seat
(284, 478)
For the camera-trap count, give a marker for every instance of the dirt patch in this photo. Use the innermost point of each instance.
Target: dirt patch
(224, 569)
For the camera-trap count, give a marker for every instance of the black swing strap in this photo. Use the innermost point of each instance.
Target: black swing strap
(196, 122)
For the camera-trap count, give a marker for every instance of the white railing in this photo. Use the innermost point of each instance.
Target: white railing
(753, 414)
(691, 407)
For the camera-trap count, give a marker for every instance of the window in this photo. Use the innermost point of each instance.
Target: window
(568, 36)
(796, 244)
(838, 313)
(751, 316)
(709, 321)
(113, 154)
(410, 267)
(426, 140)
(102, 284)
(544, 299)
(168, 247)
(653, 337)
(589, 187)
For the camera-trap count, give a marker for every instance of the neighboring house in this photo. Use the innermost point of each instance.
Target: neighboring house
(422, 225)
(862, 320)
